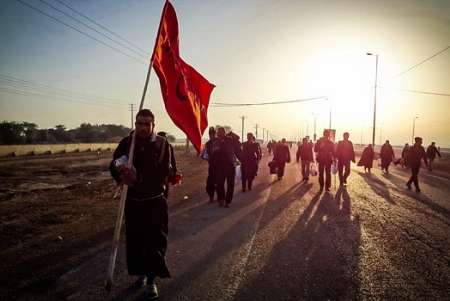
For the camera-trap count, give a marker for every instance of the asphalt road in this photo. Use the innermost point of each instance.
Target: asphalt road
(287, 241)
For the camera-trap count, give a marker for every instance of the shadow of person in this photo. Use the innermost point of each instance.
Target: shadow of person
(378, 186)
(318, 259)
(422, 198)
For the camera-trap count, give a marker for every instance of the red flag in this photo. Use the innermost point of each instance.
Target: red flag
(185, 91)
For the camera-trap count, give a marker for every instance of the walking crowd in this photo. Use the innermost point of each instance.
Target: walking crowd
(154, 168)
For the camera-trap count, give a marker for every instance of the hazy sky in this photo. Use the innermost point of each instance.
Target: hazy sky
(253, 51)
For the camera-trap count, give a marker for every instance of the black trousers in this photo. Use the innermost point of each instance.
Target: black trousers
(226, 174)
(414, 176)
(325, 168)
(343, 175)
(146, 229)
(305, 166)
(210, 183)
(281, 166)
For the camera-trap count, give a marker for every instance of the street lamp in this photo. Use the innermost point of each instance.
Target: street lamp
(375, 97)
(314, 137)
(414, 127)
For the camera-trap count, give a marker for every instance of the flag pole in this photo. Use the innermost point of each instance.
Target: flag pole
(123, 196)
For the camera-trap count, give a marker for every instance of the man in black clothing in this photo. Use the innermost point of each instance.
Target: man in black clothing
(224, 151)
(416, 154)
(305, 154)
(387, 155)
(404, 161)
(325, 155)
(250, 156)
(206, 155)
(344, 154)
(432, 151)
(281, 155)
(146, 216)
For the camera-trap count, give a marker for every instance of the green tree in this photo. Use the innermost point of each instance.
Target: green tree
(30, 131)
(11, 133)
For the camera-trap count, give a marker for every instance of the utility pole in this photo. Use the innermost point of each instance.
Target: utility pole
(374, 97)
(256, 127)
(315, 127)
(414, 128)
(132, 115)
(329, 126)
(264, 130)
(242, 126)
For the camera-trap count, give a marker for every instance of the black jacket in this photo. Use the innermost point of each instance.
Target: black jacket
(432, 152)
(152, 163)
(305, 152)
(416, 153)
(325, 151)
(223, 152)
(345, 151)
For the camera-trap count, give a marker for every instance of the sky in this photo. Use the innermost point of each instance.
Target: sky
(253, 51)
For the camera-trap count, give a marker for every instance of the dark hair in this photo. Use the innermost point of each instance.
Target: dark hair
(418, 139)
(346, 133)
(212, 130)
(145, 113)
(162, 134)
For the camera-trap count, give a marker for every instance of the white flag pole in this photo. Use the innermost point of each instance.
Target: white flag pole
(123, 197)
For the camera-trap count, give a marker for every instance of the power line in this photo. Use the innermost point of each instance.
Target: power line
(80, 31)
(418, 91)
(54, 90)
(9, 90)
(224, 104)
(92, 28)
(421, 62)
(103, 27)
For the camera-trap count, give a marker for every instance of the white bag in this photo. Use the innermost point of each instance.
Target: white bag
(334, 168)
(238, 176)
(313, 170)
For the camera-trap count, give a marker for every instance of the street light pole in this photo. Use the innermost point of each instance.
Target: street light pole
(375, 97)
(414, 127)
(314, 127)
(329, 126)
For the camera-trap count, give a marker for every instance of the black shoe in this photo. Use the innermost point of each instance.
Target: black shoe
(227, 205)
(418, 190)
(408, 185)
(243, 189)
(151, 292)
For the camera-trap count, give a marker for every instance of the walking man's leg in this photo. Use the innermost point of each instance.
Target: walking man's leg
(230, 186)
(340, 172)
(307, 167)
(347, 171)
(220, 182)
(415, 177)
(328, 176)
(281, 170)
(430, 164)
(303, 167)
(210, 186)
(321, 171)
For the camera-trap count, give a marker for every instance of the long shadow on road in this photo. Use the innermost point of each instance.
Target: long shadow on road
(420, 197)
(318, 260)
(378, 186)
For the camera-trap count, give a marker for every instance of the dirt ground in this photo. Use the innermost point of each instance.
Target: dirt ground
(58, 210)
